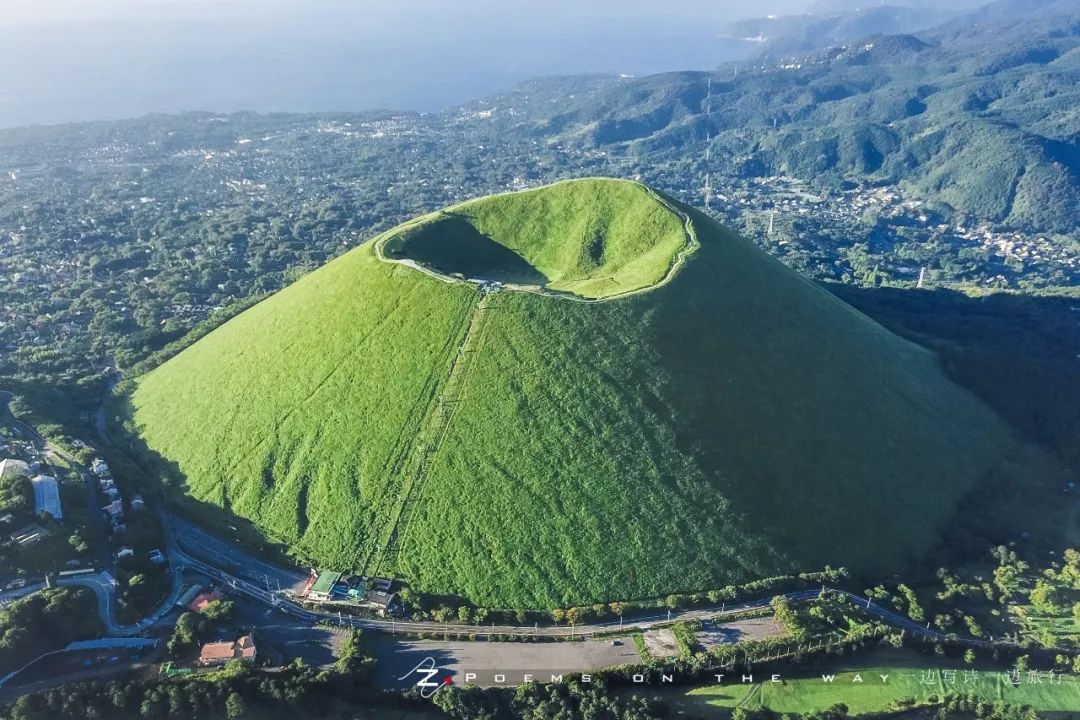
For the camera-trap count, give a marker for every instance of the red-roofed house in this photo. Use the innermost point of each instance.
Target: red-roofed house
(203, 599)
(219, 653)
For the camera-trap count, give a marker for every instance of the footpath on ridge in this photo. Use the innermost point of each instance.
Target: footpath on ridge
(395, 507)
(426, 444)
(689, 235)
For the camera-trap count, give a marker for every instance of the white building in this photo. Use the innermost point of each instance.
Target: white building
(47, 496)
(10, 468)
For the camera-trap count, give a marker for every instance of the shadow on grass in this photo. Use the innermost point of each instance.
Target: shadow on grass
(451, 244)
(1020, 354)
(1017, 353)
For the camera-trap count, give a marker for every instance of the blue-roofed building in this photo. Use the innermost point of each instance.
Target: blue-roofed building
(113, 643)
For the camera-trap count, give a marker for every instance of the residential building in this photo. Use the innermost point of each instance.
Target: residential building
(219, 653)
(323, 587)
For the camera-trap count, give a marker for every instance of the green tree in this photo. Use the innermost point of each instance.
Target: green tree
(1022, 663)
(914, 609)
(78, 543)
(1046, 598)
(235, 707)
(189, 627)
(353, 658)
(219, 610)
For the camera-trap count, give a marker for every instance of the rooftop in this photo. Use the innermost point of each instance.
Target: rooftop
(9, 467)
(242, 649)
(199, 603)
(47, 496)
(324, 584)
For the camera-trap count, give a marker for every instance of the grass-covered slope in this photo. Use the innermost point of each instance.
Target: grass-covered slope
(591, 239)
(291, 413)
(530, 450)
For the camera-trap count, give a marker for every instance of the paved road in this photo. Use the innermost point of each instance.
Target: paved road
(215, 552)
(231, 558)
(25, 430)
(288, 606)
(181, 560)
(12, 595)
(99, 415)
(97, 517)
(497, 663)
(103, 586)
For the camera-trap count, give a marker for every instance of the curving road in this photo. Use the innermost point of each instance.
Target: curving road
(272, 585)
(284, 604)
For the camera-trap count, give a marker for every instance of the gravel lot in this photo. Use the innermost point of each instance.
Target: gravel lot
(738, 631)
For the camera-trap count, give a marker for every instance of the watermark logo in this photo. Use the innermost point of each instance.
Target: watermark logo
(427, 684)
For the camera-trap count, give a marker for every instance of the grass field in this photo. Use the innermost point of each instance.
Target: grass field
(908, 676)
(587, 238)
(736, 422)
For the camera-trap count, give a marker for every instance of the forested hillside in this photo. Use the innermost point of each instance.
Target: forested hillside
(978, 120)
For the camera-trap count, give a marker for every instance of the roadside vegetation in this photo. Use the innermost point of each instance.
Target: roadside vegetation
(45, 621)
(236, 692)
(192, 629)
